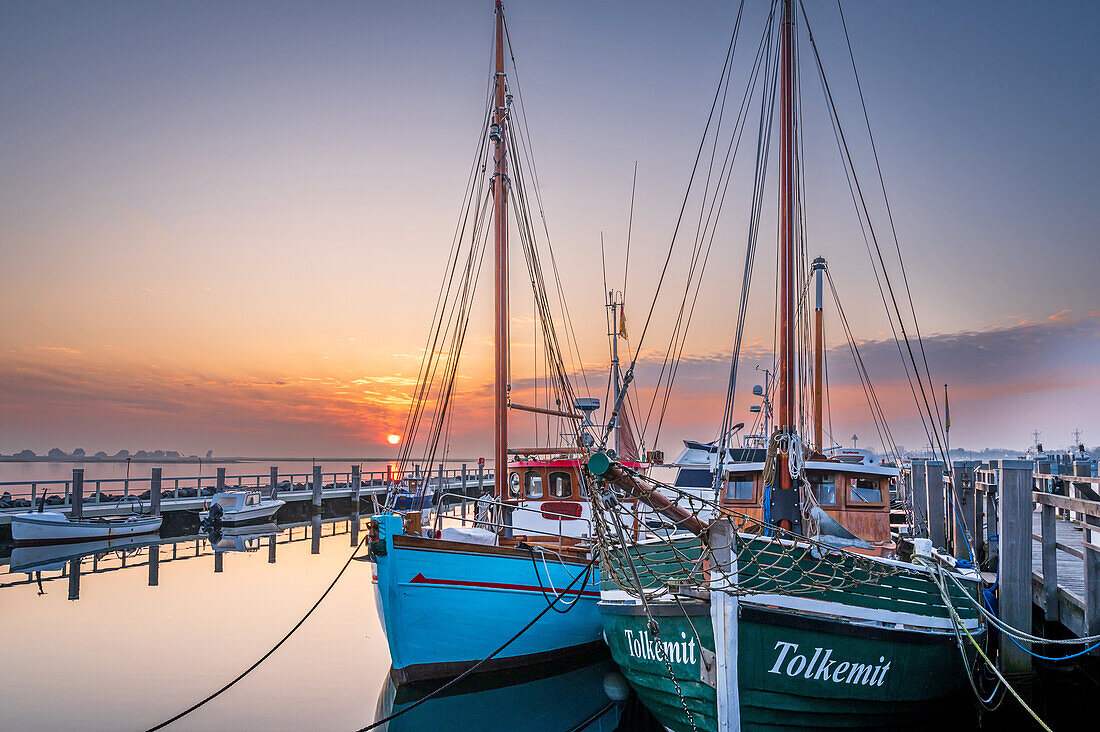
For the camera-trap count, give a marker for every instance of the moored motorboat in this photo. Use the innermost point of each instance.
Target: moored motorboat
(231, 507)
(54, 527)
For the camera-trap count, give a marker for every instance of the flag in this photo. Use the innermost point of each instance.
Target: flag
(622, 321)
(946, 409)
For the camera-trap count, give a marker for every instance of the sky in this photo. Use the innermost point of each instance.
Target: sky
(223, 225)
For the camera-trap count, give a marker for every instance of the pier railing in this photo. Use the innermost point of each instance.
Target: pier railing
(1024, 524)
(59, 493)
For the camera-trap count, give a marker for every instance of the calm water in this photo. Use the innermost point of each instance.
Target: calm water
(126, 655)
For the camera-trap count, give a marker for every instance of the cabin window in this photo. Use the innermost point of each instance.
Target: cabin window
(864, 490)
(561, 486)
(532, 484)
(739, 487)
(824, 487)
(252, 500)
(694, 478)
(513, 485)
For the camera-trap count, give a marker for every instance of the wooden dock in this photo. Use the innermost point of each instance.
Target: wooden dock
(1039, 531)
(83, 496)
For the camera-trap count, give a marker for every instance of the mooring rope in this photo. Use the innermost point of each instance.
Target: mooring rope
(492, 655)
(274, 648)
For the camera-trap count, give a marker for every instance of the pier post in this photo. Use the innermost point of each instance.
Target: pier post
(154, 565)
(464, 492)
(274, 482)
(1014, 562)
(317, 488)
(221, 480)
(154, 492)
(723, 617)
(74, 579)
(919, 497)
(315, 535)
(933, 481)
(271, 549)
(219, 561)
(77, 509)
(480, 479)
(963, 533)
(1091, 546)
(356, 486)
(1050, 563)
(979, 516)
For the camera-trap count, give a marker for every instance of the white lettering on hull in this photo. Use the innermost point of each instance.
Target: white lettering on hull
(845, 672)
(643, 645)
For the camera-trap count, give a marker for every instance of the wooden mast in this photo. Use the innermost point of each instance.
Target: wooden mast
(786, 249)
(819, 354)
(498, 134)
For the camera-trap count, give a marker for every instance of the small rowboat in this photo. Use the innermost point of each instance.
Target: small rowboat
(54, 527)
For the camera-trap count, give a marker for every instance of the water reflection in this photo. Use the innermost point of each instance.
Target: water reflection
(552, 696)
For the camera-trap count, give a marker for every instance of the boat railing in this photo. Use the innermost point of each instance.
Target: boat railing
(491, 513)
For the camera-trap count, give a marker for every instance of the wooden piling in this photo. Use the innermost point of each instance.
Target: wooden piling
(1049, 525)
(315, 535)
(961, 515)
(221, 481)
(219, 562)
(356, 486)
(271, 550)
(465, 493)
(317, 488)
(154, 565)
(77, 509)
(154, 494)
(1091, 545)
(920, 497)
(934, 501)
(1014, 563)
(74, 579)
(274, 482)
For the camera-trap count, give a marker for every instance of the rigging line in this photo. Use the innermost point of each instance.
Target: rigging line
(629, 229)
(712, 222)
(677, 341)
(874, 238)
(878, 282)
(885, 198)
(528, 149)
(683, 205)
(488, 658)
(767, 111)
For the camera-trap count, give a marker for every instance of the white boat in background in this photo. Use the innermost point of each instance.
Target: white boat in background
(232, 507)
(54, 527)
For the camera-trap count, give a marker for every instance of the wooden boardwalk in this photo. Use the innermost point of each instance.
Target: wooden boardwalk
(1071, 569)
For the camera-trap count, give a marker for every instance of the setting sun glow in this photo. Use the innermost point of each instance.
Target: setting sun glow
(393, 439)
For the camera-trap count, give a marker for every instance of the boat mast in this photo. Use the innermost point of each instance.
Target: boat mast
(819, 353)
(786, 247)
(498, 135)
(613, 304)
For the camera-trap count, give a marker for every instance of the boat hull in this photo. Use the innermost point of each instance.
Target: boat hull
(55, 528)
(795, 672)
(447, 605)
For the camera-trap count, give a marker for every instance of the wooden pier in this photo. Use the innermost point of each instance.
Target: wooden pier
(1039, 531)
(84, 496)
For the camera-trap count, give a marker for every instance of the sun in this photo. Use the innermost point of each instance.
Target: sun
(393, 439)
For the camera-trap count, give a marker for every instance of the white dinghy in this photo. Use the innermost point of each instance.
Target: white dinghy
(54, 527)
(233, 507)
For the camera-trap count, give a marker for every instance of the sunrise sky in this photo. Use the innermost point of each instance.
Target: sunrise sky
(223, 224)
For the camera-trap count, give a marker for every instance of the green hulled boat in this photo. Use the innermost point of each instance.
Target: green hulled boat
(867, 655)
(767, 589)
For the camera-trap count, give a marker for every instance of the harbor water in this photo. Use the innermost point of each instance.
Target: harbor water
(110, 651)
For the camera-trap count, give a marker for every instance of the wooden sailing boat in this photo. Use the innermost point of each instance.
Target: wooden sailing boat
(787, 607)
(449, 597)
